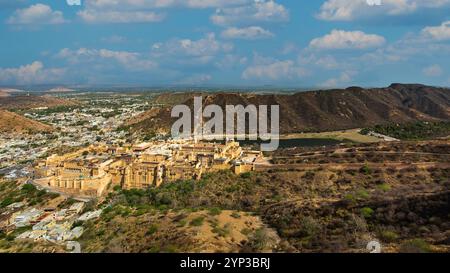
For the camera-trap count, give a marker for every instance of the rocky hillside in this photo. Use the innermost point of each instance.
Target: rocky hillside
(353, 107)
(14, 123)
(396, 193)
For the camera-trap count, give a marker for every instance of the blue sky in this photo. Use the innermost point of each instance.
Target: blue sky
(291, 43)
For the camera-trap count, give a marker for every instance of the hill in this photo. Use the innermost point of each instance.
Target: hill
(60, 90)
(175, 98)
(396, 193)
(14, 123)
(6, 92)
(23, 102)
(325, 110)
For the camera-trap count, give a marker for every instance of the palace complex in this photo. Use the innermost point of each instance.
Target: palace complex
(91, 171)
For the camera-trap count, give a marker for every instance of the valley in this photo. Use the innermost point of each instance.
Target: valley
(330, 188)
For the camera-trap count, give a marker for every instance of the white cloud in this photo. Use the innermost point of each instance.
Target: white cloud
(348, 10)
(323, 62)
(340, 39)
(36, 14)
(230, 61)
(439, 33)
(188, 52)
(143, 11)
(289, 47)
(207, 46)
(33, 73)
(344, 79)
(428, 45)
(212, 3)
(271, 69)
(98, 16)
(433, 71)
(133, 4)
(131, 61)
(249, 33)
(406, 49)
(258, 11)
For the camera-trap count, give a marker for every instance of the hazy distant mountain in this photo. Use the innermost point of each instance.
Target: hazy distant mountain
(6, 92)
(338, 109)
(32, 101)
(60, 90)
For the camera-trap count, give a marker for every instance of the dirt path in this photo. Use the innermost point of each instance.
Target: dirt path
(345, 166)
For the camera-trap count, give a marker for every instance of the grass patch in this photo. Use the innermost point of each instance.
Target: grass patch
(198, 221)
(152, 229)
(384, 187)
(215, 211)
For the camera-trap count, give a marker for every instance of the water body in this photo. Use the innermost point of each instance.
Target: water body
(298, 142)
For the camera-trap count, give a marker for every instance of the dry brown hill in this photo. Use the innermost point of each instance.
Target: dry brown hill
(174, 98)
(353, 107)
(14, 123)
(32, 101)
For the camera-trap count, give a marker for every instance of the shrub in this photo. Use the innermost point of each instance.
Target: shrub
(235, 215)
(181, 223)
(152, 230)
(232, 188)
(223, 232)
(29, 188)
(365, 170)
(350, 198)
(384, 187)
(6, 202)
(246, 231)
(309, 175)
(77, 224)
(196, 222)
(41, 193)
(164, 199)
(309, 226)
(415, 246)
(53, 195)
(67, 203)
(388, 236)
(362, 194)
(214, 211)
(367, 212)
(259, 240)
(171, 249)
(246, 175)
